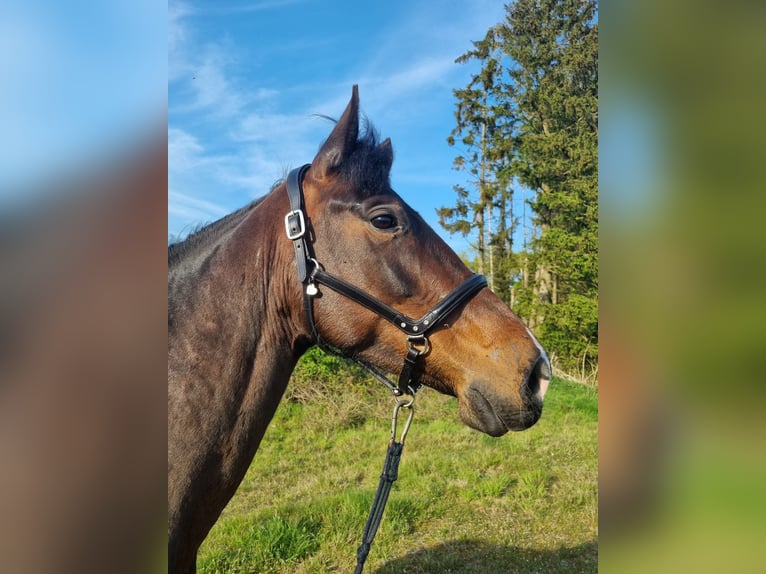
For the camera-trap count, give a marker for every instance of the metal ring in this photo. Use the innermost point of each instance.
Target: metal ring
(404, 403)
(411, 342)
(315, 262)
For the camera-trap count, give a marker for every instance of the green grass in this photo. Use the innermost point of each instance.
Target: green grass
(464, 502)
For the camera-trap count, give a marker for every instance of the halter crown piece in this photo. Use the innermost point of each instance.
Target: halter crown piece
(310, 273)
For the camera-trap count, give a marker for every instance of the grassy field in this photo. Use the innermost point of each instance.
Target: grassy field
(464, 502)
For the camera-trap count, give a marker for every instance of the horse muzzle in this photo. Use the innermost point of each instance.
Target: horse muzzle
(494, 409)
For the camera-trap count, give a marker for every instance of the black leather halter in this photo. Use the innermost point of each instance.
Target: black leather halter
(311, 273)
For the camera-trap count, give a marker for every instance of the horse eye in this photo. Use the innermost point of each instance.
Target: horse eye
(383, 221)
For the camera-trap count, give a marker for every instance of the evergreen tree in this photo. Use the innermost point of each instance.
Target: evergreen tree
(478, 123)
(530, 115)
(554, 45)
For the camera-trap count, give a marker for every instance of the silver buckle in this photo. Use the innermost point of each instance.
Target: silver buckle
(301, 225)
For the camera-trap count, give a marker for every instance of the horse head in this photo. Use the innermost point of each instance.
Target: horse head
(362, 231)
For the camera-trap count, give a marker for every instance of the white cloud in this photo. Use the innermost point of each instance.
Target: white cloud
(184, 151)
(399, 85)
(177, 12)
(213, 91)
(178, 40)
(193, 208)
(188, 165)
(204, 185)
(245, 7)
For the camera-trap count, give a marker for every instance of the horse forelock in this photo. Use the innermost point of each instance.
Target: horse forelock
(367, 167)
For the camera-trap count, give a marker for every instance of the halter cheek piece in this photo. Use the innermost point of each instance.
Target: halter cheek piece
(310, 273)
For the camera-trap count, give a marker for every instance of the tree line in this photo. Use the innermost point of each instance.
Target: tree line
(527, 123)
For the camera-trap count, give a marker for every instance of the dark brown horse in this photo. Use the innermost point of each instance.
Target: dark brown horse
(237, 324)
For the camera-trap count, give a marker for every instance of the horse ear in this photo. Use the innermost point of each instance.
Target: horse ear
(342, 140)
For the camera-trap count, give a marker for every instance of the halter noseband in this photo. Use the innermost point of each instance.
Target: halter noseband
(310, 273)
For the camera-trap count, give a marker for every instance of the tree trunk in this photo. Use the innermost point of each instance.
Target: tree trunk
(480, 246)
(543, 286)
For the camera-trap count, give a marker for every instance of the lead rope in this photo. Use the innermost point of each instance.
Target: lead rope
(416, 346)
(387, 478)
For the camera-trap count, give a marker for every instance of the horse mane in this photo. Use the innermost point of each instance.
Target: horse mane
(205, 232)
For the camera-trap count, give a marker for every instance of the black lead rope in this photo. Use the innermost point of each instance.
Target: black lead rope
(387, 478)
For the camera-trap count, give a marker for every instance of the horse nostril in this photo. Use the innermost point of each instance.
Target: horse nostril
(540, 374)
(539, 377)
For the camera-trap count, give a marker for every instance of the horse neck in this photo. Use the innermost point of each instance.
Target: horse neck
(265, 278)
(235, 332)
(242, 322)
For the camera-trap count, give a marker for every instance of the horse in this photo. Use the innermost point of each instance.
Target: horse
(332, 255)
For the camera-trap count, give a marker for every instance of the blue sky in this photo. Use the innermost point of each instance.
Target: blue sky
(246, 78)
